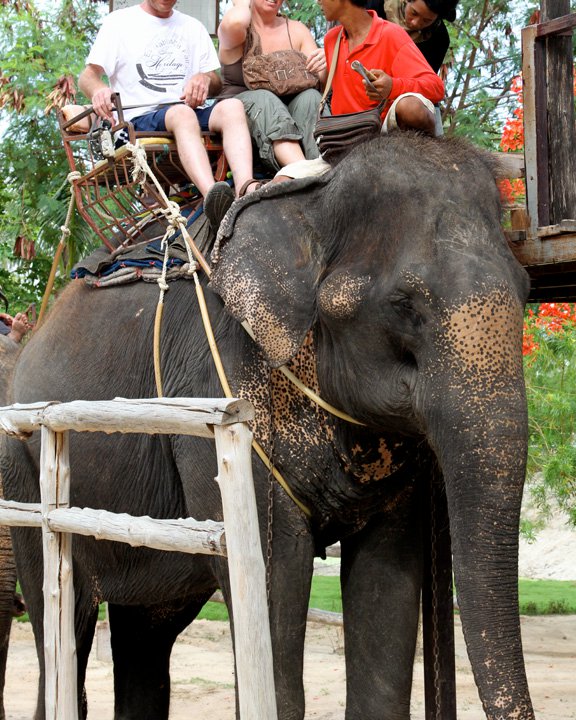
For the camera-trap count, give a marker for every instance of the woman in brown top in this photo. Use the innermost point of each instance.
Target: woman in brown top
(281, 121)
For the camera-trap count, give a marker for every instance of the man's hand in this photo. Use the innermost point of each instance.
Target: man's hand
(382, 84)
(102, 103)
(196, 90)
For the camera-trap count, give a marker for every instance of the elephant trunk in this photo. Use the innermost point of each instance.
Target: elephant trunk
(484, 508)
(478, 429)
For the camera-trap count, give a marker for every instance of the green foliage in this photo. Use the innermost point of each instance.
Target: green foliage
(485, 57)
(39, 48)
(547, 597)
(550, 372)
(310, 13)
(537, 597)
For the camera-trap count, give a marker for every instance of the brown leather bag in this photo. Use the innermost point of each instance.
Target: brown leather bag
(336, 135)
(282, 72)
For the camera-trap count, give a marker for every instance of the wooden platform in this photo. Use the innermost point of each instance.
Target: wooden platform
(550, 260)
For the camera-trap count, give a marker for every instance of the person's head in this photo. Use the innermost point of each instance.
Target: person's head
(334, 9)
(421, 14)
(158, 8)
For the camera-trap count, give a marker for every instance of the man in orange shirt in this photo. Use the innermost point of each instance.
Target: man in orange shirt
(387, 51)
(401, 75)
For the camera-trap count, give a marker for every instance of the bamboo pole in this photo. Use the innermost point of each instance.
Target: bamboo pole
(252, 644)
(184, 534)
(188, 416)
(59, 637)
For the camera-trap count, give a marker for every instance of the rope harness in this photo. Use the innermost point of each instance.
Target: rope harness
(176, 222)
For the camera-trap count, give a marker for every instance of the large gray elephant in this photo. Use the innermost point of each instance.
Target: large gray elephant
(388, 287)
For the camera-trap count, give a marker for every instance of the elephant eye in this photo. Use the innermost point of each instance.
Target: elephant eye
(404, 307)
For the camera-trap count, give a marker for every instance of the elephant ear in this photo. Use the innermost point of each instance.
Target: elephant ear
(266, 264)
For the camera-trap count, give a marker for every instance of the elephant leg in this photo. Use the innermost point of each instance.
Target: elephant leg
(289, 570)
(142, 639)
(291, 564)
(381, 577)
(7, 589)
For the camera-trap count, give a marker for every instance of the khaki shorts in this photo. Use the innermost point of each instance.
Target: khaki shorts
(390, 119)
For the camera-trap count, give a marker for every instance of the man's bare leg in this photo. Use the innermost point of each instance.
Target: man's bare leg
(287, 151)
(411, 114)
(181, 120)
(228, 119)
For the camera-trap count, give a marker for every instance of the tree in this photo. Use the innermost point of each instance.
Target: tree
(42, 52)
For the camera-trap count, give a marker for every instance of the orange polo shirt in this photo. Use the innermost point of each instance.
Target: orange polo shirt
(387, 47)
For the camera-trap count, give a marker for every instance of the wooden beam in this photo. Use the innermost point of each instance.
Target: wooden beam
(561, 130)
(550, 250)
(563, 24)
(530, 121)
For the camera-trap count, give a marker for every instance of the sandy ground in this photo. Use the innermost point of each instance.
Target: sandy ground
(203, 682)
(202, 674)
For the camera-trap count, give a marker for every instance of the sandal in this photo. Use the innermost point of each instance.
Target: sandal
(246, 185)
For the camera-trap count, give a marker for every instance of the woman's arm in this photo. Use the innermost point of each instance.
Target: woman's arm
(232, 31)
(302, 40)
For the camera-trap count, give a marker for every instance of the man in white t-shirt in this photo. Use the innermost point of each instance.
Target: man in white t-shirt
(152, 55)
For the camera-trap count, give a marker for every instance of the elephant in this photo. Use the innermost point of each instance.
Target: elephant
(9, 351)
(388, 288)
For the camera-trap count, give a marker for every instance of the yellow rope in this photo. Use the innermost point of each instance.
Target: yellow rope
(306, 390)
(172, 213)
(228, 393)
(59, 250)
(157, 328)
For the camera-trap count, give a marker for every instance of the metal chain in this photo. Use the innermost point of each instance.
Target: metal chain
(270, 507)
(434, 608)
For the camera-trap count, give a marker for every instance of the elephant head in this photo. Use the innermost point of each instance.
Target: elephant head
(397, 262)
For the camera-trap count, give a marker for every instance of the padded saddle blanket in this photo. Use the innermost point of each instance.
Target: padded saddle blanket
(144, 260)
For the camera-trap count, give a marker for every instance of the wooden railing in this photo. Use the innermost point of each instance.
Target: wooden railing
(237, 537)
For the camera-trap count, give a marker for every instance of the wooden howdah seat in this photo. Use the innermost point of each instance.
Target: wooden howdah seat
(117, 207)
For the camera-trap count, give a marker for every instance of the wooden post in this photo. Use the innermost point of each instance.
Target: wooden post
(252, 644)
(59, 638)
(438, 608)
(558, 78)
(536, 185)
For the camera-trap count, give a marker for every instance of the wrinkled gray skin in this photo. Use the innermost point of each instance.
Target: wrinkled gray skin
(9, 351)
(388, 285)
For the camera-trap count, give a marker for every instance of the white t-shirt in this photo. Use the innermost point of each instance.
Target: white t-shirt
(149, 60)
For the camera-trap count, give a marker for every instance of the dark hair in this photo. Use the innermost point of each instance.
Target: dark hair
(359, 3)
(445, 9)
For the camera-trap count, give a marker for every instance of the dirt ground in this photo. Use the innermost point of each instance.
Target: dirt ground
(203, 683)
(202, 672)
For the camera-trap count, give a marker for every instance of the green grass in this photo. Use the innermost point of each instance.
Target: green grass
(537, 597)
(547, 597)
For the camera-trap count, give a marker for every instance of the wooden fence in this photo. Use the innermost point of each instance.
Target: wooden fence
(237, 537)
